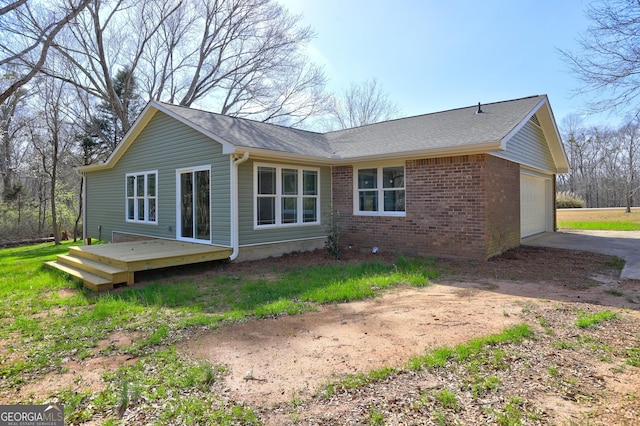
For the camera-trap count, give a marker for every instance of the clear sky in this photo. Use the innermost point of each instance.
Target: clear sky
(434, 55)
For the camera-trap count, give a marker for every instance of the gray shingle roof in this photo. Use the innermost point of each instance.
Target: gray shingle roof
(453, 129)
(441, 130)
(254, 134)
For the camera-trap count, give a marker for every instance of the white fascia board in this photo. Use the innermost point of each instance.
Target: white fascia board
(551, 133)
(483, 148)
(520, 125)
(143, 119)
(141, 122)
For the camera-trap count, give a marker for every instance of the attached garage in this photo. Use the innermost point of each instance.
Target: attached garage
(536, 146)
(536, 204)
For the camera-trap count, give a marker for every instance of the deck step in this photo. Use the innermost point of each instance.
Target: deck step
(98, 268)
(91, 281)
(85, 253)
(101, 266)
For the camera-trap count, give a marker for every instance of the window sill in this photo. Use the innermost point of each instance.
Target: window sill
(141, 222)
(285, 225)
(380, 214)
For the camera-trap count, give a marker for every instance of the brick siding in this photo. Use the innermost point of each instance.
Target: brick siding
(457, 207)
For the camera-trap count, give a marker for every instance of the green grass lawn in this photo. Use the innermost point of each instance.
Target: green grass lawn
(599, 219)
(48, 320)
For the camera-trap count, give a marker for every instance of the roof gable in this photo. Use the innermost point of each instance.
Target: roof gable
(453, 132)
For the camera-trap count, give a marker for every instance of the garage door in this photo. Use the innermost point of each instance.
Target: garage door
(535, 205)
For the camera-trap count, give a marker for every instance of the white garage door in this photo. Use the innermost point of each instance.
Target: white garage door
(535, 205)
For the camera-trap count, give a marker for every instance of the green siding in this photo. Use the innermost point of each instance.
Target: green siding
(251, 236)
(529, 147)
(164, 145)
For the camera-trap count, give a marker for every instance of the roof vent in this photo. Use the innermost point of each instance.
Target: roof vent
(479, 111)
(534, 119)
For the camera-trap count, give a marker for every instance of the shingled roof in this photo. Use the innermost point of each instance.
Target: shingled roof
(243, 133)
(451, 132)
(455, 129)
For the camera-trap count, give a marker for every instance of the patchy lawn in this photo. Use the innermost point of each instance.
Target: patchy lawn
(536, 336)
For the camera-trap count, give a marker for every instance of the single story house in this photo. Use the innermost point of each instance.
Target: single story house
(464, 183)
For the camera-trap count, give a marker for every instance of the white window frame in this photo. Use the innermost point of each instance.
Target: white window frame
(300, 196)
(179, 172)
(136, 197)
(379, 189)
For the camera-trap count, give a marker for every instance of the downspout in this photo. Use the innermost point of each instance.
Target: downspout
(235, 227)
(84, 208)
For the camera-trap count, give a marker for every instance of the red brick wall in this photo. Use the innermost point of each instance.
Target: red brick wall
(447, 208)
(503, 205)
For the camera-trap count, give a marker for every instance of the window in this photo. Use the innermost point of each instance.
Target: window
(380, 191)
(141, 197)
(286, 196)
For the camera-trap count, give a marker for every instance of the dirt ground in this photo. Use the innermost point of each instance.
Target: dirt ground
(275, 361)
(280, 366)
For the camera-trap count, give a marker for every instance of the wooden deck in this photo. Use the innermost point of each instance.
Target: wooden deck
(102, 266)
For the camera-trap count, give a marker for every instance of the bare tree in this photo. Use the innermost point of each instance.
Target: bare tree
(28, 30)
(247, 61)
(52, 138)
(609, 58)
(238, 57)
(12, 123)
(629, 148)
(95, 49)
(603, 163)
(363, 103)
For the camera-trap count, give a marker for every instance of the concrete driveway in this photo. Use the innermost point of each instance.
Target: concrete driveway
(624, 244)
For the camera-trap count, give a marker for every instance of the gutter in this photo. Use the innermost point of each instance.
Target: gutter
(235, 228)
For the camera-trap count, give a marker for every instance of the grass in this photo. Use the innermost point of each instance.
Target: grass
(471, 360)
(47, 320)
(439, 357)
(447, 399)
(597, 219)
(462, 352)
(591, 320)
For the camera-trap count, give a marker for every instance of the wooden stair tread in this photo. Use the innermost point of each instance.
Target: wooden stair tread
(93, 264)
(87, 277)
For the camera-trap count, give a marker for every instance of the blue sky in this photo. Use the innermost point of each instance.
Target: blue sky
(434, 55)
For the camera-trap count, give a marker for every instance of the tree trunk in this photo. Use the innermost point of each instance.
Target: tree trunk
(54, 219)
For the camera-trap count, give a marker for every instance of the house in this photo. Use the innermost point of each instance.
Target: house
(465, 183)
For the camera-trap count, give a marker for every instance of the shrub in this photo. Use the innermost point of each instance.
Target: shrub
(568, 200)
(332, 243)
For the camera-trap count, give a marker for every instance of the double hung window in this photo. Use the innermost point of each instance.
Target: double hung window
(380, 191)
(141, 197)
(286, 196)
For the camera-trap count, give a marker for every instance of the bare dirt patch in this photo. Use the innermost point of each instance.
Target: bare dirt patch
(79, 375)
(275, 360)
(279, 365)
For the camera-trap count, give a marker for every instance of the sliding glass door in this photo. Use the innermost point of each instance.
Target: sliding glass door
(194, 206)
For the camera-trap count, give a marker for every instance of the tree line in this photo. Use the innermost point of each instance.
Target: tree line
(604, 163)
(75, 74)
